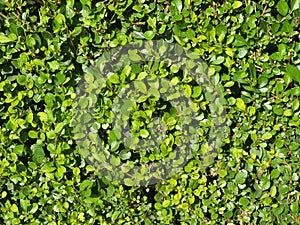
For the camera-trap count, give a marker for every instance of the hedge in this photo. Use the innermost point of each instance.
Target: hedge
(47, 48)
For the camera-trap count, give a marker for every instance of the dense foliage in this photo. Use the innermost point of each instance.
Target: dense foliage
(253, 52)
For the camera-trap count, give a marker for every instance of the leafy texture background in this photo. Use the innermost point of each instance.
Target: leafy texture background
(253, 52)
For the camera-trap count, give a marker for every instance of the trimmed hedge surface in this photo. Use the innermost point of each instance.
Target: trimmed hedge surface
(253, 53)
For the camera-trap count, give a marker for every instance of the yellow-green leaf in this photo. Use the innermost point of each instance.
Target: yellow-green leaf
(266, 136)
(5, 39)
(240, 104)
(237, 4)
(273, 191)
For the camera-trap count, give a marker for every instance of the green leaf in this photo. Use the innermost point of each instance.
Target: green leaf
(244, 201)
(70, 3)
(89, 78)
(34, 208)
(114, 43)
(51, 134)
(239, 41)
(59, 22)
(54, 65)
(275, 174)
(59, 127)
(154, 92)
(178, 4)
(218, 60)
(174, 68)
(115, 161)
(85, 2)
(288, 112)
(242, 52)
(144, 133)
(295, 4)
(295, 104)
(23, 204)
(241, 176)
(262, 81)
(49, 99)
(38, 153)
(21, 79)
(110, 190)
(76, 171)
(140, 86)
(222, 173)
(129, 182)
(33, 134)
(83, 103)
(115, 216)
(19, 149)
(86, 184)
(171, 121)
(221, 31)
(277, 211)
(240, 104)
(190, 34)
(266, 136)
(149, 35)
(282, 7)
(48, 168)
(287, 78)
(152, 22)
(295, 207)
(5, 39)
(293, 72)
(125, 155)
(60, 78)
(197, 90)
(273, 191)
(237, 4)
(267, 201)
(283, 189)
(114, 79)
(3, 2)
(229, 84)
(138, 35)
(30, 42)
(14, 208)
(133, 55)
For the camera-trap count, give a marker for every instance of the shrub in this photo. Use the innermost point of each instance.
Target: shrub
(253, 53)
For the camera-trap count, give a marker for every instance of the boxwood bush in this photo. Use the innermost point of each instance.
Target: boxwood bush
(253, 52)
